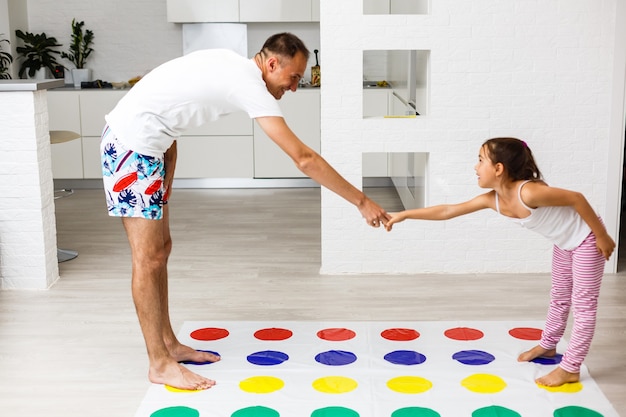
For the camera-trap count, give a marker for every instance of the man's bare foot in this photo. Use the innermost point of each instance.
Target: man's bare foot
(535, 352)
(177, 376)
(182, 353)
(558, 377)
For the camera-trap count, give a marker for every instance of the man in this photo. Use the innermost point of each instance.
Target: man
(139, 157)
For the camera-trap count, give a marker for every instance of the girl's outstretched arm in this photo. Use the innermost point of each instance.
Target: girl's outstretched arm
(444, 211)
(537, 194)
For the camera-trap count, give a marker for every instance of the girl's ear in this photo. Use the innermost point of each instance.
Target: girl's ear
(499, 168)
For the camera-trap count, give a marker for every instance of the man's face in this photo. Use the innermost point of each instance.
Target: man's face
(284, 74)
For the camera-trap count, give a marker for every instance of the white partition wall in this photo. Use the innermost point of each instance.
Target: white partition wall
(540, 71)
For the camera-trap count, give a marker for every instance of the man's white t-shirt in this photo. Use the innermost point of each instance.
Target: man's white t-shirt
(186, 92)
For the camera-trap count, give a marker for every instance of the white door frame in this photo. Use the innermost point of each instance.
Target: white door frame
(616, 133)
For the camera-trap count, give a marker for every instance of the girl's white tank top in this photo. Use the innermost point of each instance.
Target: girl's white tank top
(562, 225)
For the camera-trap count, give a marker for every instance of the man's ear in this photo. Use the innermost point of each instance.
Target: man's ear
(272, 63)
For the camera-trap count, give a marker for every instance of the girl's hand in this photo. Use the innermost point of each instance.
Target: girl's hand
(395, 218)
(605, 245)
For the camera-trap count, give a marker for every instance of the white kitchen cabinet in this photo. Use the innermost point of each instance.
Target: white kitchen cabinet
(214, 157)
(220, 149)
(231, 147)
(302, 114)
(395, 6)
(376, 102)
(375, 164)
(94, 105)
(275, 10)
(92, 163)
(64, 114)
(195, 11)
(315, 10)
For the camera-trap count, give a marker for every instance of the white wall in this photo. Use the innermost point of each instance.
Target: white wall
(538, 70)
(13, 15)
(133, 36)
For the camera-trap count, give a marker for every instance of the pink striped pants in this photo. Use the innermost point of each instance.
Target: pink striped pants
(576, 278)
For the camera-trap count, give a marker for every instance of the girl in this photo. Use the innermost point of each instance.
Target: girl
(581, 244)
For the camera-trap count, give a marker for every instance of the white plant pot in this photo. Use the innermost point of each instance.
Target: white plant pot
(41, 74)
(80, 75)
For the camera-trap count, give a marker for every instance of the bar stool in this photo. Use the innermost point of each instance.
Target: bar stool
(61, 136)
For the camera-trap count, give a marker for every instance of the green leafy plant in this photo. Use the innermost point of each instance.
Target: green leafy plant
(5, 61)
(80, 48)
(37, 52)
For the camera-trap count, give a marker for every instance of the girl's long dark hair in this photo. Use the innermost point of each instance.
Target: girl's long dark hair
(516, 157)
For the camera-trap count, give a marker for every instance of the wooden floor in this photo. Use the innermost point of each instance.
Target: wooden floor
(76, 349)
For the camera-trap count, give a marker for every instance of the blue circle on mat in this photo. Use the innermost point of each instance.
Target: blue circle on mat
(267, 358)
(545, 360)
(405, 357)
(473, 357)
(201, 363)
(335, 357)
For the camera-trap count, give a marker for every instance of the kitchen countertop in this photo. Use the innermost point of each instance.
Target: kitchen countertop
(30, 85)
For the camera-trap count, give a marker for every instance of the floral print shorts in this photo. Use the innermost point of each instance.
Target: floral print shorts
(133, 183)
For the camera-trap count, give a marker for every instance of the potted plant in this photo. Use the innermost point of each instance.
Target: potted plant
(80, 49)
(38, 54)
(5, 61)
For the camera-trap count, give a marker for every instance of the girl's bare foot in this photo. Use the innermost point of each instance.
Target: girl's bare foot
(558, 377)
(535, 352)
(177, 376)
(182, 353)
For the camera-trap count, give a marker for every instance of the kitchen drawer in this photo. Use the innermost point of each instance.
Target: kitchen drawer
(214, 157)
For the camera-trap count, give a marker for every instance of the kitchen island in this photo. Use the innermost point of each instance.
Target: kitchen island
(28, 249)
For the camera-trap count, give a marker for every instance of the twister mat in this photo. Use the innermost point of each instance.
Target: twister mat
(373, 369)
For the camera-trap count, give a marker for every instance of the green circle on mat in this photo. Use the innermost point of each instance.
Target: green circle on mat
(495, 410)
(257, 411)
(334, 412)
(415, 412)
(176, 412)
(575, 411)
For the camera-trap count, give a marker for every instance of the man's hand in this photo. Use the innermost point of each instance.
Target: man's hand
(375, 215)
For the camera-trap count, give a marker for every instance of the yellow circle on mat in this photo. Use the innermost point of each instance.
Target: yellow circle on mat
(261, 384)
(172, 389)
(334, 384)
(409, 384)
(569, 388)
(484, 383)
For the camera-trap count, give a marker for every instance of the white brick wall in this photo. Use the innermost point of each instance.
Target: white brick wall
(538, 70)
(28, 257)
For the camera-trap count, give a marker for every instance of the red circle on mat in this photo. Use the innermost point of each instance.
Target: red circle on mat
(273, 333)
(336, 334)
(464, 333)
(526, 333)
(209, 333)
(400, 335)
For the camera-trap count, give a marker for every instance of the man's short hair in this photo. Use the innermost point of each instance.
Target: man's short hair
(285, 44)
